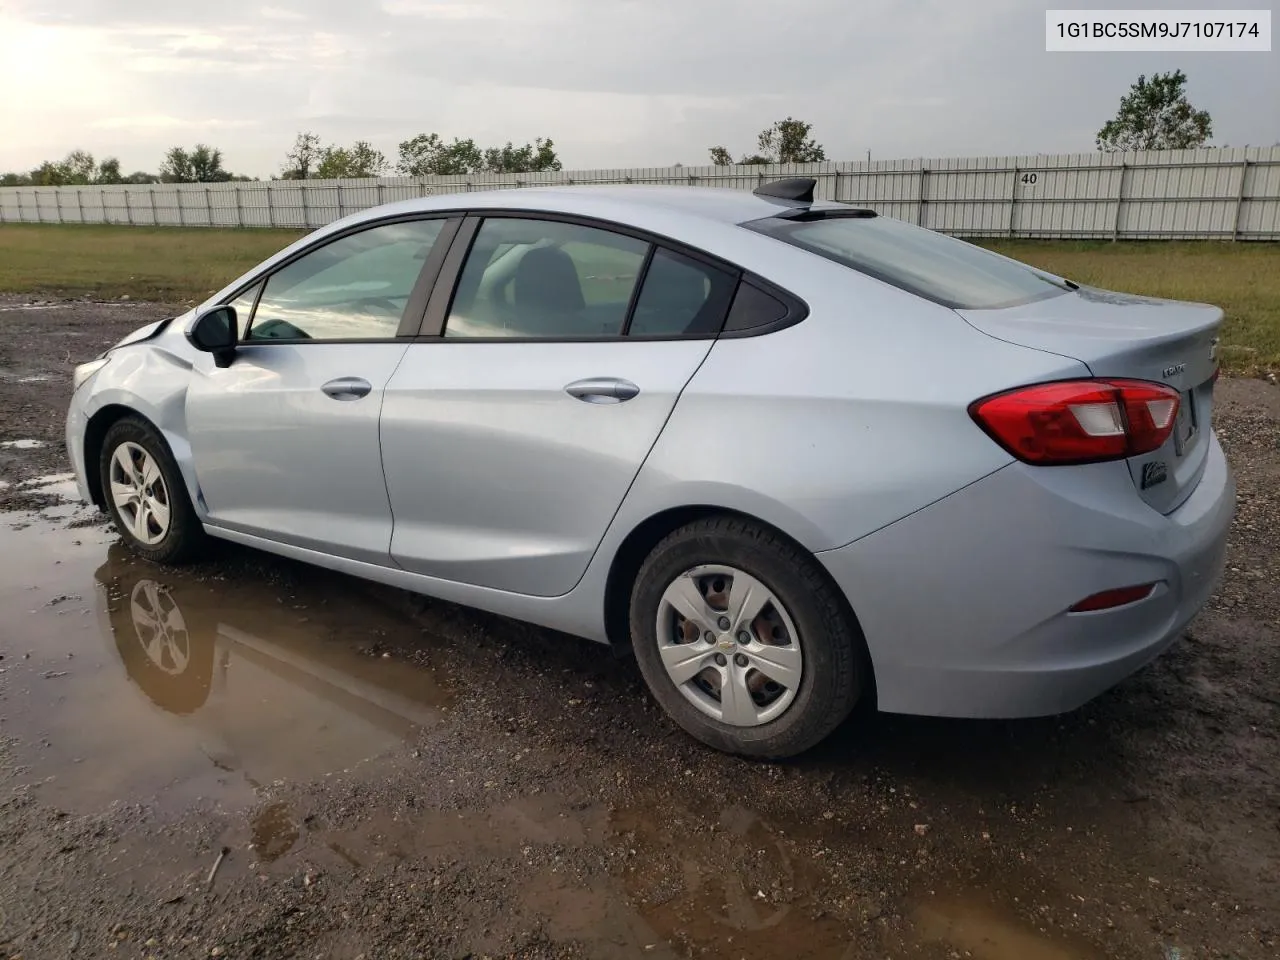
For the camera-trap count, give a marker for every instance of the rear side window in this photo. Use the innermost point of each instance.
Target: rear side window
(545, 279)
(681, 297)
(752, 307)
(928, 264)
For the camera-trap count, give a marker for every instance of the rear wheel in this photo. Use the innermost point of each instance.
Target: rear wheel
(743, 639)
(145, 494)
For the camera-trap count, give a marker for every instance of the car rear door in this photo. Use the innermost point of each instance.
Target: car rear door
(512, 430)
(285, 438)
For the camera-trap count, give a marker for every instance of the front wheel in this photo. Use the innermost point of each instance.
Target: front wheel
(743, 639)
(145, 494)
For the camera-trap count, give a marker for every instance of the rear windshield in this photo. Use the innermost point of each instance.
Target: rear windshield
(931, 265)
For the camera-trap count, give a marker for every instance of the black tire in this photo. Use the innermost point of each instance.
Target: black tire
(185, 539)
(836, 666)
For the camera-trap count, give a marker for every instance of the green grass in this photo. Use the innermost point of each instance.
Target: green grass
(169, 264)
(1241, 278)
(174, 264)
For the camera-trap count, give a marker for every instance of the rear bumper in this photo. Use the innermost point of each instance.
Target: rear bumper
(964, 604)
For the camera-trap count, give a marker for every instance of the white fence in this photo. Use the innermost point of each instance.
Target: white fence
(1226, 193)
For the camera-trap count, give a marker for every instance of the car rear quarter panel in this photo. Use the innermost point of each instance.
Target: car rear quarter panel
(839, 425)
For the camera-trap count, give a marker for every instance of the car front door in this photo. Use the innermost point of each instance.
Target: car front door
(510, 439)
(285, 438)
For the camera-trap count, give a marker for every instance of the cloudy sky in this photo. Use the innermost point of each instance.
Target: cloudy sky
(614, 82)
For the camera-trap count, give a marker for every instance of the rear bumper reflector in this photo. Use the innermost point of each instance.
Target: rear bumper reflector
(1113, 598)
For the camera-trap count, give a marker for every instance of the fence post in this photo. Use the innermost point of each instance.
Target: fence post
(57, 202)
(835, 186)
(1115, 227)
(271, 208)
(341, 208)
(239, 208)
(924, 174)
(1013, 202)
(208, 206)
(306, 210)
(128, 206)
(79, 206)
(177, 195)
(379, 193)
(1235, 223)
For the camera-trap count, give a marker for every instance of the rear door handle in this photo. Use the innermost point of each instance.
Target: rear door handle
(347, 388)
(602, 390)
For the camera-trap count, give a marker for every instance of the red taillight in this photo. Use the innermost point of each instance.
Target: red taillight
(1079, 421)
(1113, 598)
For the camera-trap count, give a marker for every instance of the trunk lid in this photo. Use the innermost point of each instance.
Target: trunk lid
(1144, 338)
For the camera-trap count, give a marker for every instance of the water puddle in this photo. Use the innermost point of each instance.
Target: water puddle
(122, 681)
(984, 932)
(130, 681)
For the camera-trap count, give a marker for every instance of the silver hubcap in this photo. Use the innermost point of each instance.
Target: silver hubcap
(729, 645)
(160, 627)
(139, 493)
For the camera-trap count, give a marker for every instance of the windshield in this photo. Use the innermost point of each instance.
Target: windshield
(928, 264)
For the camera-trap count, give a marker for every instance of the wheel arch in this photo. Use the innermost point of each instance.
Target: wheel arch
(648, 533)
(95, 434)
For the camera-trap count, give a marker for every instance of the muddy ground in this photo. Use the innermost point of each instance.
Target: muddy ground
(254, 758)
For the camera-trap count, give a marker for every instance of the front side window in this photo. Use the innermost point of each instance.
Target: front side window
(928, 264)
(243, 306)
(545, 279)
(356, 287)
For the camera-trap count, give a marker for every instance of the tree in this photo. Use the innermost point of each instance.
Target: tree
(80, 167)
(787, 141)
(302, 160)
(76, 168)
(428, 154)
(206, 165)
(176, 167)
(15, 180)
(533, 157)
(201, 164)
(361, 160)
(1156, 115)
(108, 171)
(141, 176)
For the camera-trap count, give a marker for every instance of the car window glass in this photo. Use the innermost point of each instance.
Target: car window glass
(355, 287)
(752, 307)
(940, 268)
(243, 306)
(545, 278)
(681, 297)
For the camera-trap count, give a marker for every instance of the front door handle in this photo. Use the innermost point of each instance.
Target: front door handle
(602, 390)
(347, 388)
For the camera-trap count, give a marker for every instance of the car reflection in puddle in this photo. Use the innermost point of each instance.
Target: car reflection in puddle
(270, 695)
(128, 682)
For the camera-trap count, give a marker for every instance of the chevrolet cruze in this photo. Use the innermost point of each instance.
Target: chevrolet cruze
(794, 455)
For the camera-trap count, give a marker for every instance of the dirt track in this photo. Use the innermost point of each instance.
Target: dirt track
(398, 778)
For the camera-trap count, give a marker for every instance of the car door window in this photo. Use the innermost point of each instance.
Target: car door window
(356, 287)
(681, 297)
(545, 279)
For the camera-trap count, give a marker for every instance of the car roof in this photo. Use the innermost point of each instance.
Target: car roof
(625, 203)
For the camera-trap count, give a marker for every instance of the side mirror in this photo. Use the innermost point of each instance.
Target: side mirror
(216, 330)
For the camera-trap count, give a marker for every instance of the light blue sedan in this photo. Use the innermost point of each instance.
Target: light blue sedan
(792, 454)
